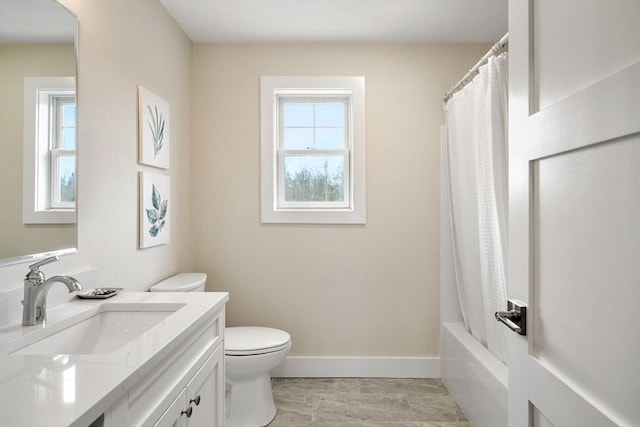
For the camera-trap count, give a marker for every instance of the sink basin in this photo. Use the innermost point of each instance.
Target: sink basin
(107, 329)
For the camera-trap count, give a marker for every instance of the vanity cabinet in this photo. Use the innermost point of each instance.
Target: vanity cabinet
(151, 357)
(200, 403)
(174, 415)
(185, 389)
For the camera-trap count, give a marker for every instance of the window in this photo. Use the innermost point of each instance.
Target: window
(49, 150)
(62, 171)
(313, 150)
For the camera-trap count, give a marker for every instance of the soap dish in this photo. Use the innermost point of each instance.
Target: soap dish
(99, 293)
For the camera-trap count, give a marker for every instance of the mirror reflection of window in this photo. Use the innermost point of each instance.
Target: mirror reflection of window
(50, 150)
(62, 152)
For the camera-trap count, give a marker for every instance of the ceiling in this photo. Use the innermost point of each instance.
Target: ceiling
(235, 21)
(240, 21)
(35, 21)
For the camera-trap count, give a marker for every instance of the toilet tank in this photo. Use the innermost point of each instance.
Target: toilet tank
(183, 282)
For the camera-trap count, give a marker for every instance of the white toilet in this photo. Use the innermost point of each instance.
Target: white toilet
(250, 355)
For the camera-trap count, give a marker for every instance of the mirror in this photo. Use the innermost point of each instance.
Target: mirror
(38, 41)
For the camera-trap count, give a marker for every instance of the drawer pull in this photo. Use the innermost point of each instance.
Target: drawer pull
(196, 400)
(189, 411)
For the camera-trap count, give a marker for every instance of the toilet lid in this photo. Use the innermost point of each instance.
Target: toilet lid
(248, 340)
(183, 282)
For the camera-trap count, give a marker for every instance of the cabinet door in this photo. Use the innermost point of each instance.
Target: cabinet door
(174, 416)
(205, 393)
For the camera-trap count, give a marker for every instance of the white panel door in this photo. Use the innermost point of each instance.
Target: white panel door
(574, 212)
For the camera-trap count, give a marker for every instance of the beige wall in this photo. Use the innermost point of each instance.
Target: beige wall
(17, 62)
(123, 44)
(339, 290)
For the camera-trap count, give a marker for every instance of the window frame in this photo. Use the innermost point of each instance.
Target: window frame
(57, 101)
(313, 97)
(38, 154)
(273, 207)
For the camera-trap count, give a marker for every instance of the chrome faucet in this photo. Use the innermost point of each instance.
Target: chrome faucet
(36, 288)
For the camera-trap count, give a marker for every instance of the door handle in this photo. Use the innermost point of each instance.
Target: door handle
(515, 317)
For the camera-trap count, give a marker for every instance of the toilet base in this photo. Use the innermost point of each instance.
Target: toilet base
(249, 402)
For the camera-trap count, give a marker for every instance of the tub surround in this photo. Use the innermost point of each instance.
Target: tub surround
(476, 379)
(75, 390)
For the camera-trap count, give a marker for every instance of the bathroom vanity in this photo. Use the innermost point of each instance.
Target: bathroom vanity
(148, 359)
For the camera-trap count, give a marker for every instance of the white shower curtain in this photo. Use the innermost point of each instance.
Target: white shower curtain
(476, 132)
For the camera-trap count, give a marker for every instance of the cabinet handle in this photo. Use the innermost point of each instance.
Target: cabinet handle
(189, 411)
(196, 400)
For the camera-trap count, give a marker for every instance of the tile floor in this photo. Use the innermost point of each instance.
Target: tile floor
(364, 402)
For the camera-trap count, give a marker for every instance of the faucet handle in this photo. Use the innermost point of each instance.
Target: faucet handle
(35, 277)
(35, 267)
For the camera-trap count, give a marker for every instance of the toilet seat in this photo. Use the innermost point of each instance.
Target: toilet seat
(251, 340)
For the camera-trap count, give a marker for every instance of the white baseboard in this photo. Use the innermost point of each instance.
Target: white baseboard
(351, 367)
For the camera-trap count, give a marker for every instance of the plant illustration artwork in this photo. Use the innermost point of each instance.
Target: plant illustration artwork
(154, 129)
(157, 212)
(156, 124)
(154, 209)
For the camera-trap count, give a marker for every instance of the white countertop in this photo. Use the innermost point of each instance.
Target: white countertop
(74, 390)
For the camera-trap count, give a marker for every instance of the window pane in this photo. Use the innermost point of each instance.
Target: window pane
(298, 115)
(313, 178)
(330, 139)
(67, 177)
(329, 114)
(69, 115)
(298, 139)
(68, 139)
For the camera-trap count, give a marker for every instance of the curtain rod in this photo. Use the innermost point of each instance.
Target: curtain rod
(495, 50)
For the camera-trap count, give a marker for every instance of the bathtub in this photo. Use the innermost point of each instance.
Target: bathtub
(476, 379)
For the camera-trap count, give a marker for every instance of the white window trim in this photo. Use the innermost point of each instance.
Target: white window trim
(270, 87)
(35, 135)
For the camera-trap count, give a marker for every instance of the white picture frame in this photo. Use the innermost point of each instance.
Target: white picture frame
(155, 209)
(153, 129)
